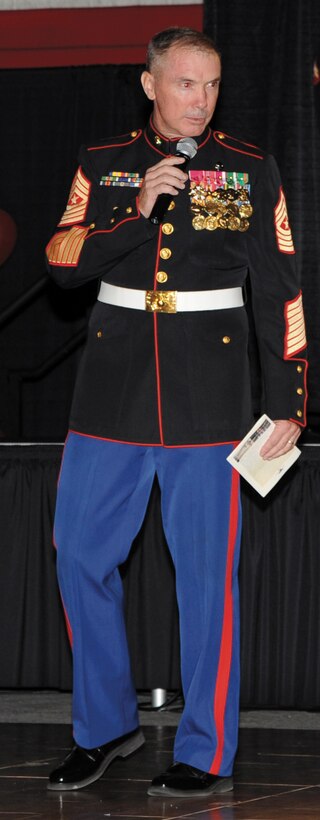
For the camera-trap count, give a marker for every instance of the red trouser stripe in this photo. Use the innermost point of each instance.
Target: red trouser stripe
(68, 624)
(223, 674)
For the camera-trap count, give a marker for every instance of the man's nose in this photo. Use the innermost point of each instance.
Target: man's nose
(201, 97)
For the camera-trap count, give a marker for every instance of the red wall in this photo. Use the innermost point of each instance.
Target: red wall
(60, 37)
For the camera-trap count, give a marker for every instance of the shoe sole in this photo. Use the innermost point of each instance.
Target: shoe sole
(127, 748)
(217, 788)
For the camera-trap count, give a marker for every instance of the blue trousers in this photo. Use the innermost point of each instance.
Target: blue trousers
(103, 493)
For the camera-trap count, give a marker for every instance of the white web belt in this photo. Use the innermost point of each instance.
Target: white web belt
(170, 301)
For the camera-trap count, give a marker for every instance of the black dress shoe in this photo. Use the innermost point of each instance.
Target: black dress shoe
(181, 780)
(83, 766)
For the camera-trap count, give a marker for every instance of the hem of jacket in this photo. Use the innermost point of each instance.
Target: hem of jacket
(233, 442)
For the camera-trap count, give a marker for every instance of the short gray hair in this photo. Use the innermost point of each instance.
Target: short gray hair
(177, 36)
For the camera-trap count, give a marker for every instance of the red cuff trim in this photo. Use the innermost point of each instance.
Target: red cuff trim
(114, 227)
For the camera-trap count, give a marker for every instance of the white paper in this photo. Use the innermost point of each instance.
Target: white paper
(260, 473)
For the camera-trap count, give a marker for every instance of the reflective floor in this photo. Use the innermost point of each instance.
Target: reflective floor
(277, 775)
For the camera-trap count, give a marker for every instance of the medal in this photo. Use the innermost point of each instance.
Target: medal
(211, 223)
(220, 199)
(244, 225)
(234, 223)
(198, 223)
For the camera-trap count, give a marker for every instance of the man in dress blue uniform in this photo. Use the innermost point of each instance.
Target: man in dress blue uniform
(164, 388)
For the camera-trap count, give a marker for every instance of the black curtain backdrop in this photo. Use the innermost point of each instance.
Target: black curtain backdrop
(46, 115)
(269, 51)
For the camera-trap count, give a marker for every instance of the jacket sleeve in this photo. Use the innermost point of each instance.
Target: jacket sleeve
(277, 300)
(90, 237)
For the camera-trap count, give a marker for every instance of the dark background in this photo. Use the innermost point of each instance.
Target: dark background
(267, 97)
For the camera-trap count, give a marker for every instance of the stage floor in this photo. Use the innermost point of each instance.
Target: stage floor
(277, 775)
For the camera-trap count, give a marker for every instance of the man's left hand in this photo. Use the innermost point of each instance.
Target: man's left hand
(282, 439)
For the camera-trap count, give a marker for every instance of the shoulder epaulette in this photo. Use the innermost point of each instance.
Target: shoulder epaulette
(116, 142)
(238, 145)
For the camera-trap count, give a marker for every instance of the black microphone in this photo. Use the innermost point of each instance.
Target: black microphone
(186, 148)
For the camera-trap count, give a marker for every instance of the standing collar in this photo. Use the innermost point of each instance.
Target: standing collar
(166, 146)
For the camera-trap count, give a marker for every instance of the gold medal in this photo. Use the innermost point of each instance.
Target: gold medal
(225, 207)
(211, 205)
(197, 197)
(198, 223)
(211, 223)
(232, 209)
(244, 225)
(234, 223)
(245, 209)
(221, 208)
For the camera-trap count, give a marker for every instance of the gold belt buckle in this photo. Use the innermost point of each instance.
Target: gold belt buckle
(161, 301)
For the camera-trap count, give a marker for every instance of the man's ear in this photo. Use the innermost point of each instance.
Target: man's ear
(147, 82)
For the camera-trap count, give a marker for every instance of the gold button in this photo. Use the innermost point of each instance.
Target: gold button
(129, 210)
(134, 133)
(226, 340)
(93, 225)
(172, 205)
(221, 136)
(157, 140)
(112, 220)
(160, 302)
(165, 253)
(300, 391)
(161, 276)
(167, 228)
(299, 368)
(99, 334)
(115, 207)
(299, 413)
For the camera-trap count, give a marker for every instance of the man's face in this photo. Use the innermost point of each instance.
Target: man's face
(184, 85)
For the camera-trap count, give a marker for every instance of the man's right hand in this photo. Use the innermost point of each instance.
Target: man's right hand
(164, 178)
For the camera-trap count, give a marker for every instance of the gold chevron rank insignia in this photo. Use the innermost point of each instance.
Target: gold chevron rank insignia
(65, 247)
(283, 231)
(295, 337)
(78, 200)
